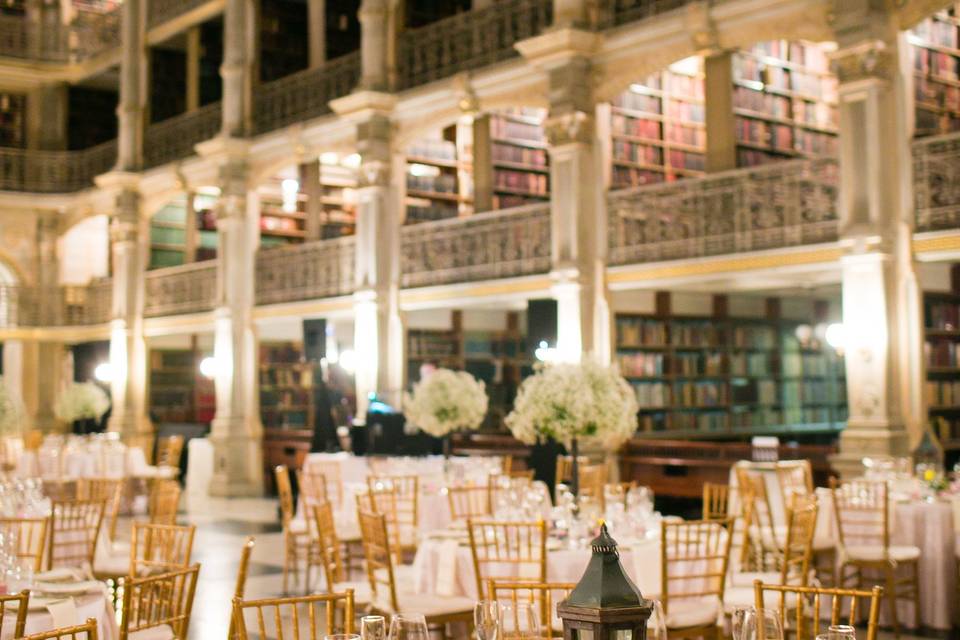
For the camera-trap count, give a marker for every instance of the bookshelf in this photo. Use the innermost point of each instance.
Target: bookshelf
(719, 376)
(941, 322)
(435, 166)
(283, 210)
(657, 128)
(286, 386)
(184, 230)
(518, 151)
(784, 99)
(178, 393)
(936, 51)
(12, 126)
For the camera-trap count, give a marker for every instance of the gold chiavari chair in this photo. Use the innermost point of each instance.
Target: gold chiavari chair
(794, 477)
(498, 484)
(241, 587)
(332, 479)
(716, 501)
(468, 501)
(592, 479)
(169, 451)
(518, 549)
(521, 474)
(61, 490)
(693, 569)
(310, 617)
(564, 468)
(17, 603)
(157, 548)
(313, 487)
(85, 631)
(327, 551)
(759, 528)
(164, 501)
(108, 489)
(542, 595)
(401, 496)
(863, 524)
(159, 604)
(385, 598)
(296, 535)
(31, 538)
(74, 528)
(806, 603)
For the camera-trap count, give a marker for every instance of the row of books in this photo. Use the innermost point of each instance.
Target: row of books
(531, 182)
(753, 337)
(816, 143)
(943, 392)
(948, 430)
(294, 399)
(804, 364)
(506, 201)
(937, 94)
(284, 419)
(694, 136)
(520, 155)
(428, 213)
(807, 392)
(686, 111)
(443, 183)
(636, 152)
(504, 128)
(652, 394)
(429, 344)
(435, 149)
(687, 160)
(936, 63)
(285, 377)
(276, 223)
(641, 364)
(698, 364)
(623, 177)
(933, 121)
(680, 84)
(768, 103)
(937, 32)
(762, 417)
(941, 353)
(637, 127)
(639, 102)
(754, 157)
(818, 114)
(700, 394)
(750, 364)
(705, 421)
(763, 133)
(814, 415)
(942, 315)
(694, 334)
(280, 354)
(477, 343)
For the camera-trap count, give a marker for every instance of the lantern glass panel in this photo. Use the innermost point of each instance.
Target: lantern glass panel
(583, 634)
(621, 634)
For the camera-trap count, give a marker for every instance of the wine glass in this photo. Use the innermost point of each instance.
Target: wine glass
(762, 624)
(736, 621)
(657, 624)
(486, 619)
(409, 626)
(341, 636)
(373, 628)
(841, 632)
(519, 621)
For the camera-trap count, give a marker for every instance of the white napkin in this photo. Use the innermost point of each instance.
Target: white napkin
(447, 567)
(64, 613)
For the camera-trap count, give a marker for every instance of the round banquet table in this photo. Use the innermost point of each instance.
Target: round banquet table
(96, 606)
(84, 463)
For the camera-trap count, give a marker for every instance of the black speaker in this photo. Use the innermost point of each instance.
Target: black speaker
(315, 339)
(541, 324)
(86, 357)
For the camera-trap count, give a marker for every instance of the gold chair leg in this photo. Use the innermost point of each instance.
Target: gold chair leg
(892, 599)
(916, 595)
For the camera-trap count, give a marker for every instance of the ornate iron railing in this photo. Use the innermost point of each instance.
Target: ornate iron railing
(86, 304)
(778, 205)
(67, 305)
(305, 94)
(501, 244)
(936, 182)
(188, 288)
(160, 11)
(319, 269)
(469, 40)
(54, 171)
(174, 138)
(18, 306)
(93, 32)
(617, 12)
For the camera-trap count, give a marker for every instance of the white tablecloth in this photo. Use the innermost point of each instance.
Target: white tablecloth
(84, 463)
(199, 466)
(90, 606)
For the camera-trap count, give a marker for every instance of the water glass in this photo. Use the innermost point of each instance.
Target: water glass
(486, 619)
(519, 621)
(341, 636)
(409, 626)
(841, 632)
(762, 624)
(657, 624)
(736, 621)
(373, 628)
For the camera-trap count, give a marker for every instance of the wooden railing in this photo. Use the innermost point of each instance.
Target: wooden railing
(774, 206)
(174, 138)
(501, 244)
(320, 269)
(188, 288)
(54, 171)
(936, 180)
(469, 40)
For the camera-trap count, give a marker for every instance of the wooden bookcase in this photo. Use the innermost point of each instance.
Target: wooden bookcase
(657, 130)
(13, 107)
(286, 387)
(784, 98)
(184, 231)
(941, 321)
(718, 376)
(283, 211)
(518, 151)
(936, 63)
(435, 190)
(178, 393)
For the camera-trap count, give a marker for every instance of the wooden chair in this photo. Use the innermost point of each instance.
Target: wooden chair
(162, 603)
(716, 501)
(157, 548)
(20, 602)
(805, 604)
(295, 617)
(164, 501)
(85, 631)
(332, 480)
(241, 587)
(326, 550)
(169, 451)
(543, 595)
(74, 528)
(381, 574)
(403, 494)
(517, 548)
(31, 538)
(592, 479)
(498, 484)
(108, 489)
(760, 532)
(468, 501)
(794, 477)
(313, 487)
(296, 536)
(693, 569)
(61, 490)
(863, 524)
(564, 468)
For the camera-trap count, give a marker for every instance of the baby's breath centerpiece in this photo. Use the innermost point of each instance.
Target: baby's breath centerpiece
(446, 401)
(81, 401)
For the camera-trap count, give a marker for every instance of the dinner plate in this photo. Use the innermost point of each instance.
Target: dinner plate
(58, 575)
(40, 603)
(67, 588)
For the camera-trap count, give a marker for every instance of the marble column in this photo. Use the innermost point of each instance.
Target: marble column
(46, 382)
(881, 297)
(577, 209)
(374, 54)
(239, 41)
(131, 109)
(317, 31)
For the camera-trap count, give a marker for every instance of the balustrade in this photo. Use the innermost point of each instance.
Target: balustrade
(469, 40)
(502, 244)
(778, 205)
(617, 12)
(308, 271)
(188, 288)
(54, 171)
(68, 305)
(160, 11)
(174, 138)
(936, 178)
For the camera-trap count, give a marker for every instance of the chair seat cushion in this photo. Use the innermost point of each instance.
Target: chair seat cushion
(693, 612)
(874, 553)
(112, 565)
(298, 525)
(162, 632)
(427, 604)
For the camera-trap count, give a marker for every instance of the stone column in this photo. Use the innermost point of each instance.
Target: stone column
(378, 328)
(131, 109)
(48, 354)
(577, 209)
(720, 121)
(239, 40)
(881, 299)
(374, 29)
(317, 31)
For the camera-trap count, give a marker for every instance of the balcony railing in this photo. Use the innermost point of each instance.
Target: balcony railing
(502, 244)
(305, 94)
(68, 305)
(617, 12)
(90, 34)
(174, 138)
(320, 269)
(779, 205)
(86, 304)
(160, 11)
(188, 288)
(936, 179)
(469, 40)
(54, 171)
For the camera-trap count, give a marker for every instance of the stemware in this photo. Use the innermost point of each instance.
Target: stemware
(736, 621)
(341, 636)
(409, 626)
(373, 628)
(519, 621)
(486, 619)
(657, 624)
(841, 632)
(762, 624)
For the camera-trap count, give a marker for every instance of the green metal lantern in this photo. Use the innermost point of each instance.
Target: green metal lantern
(605, 604)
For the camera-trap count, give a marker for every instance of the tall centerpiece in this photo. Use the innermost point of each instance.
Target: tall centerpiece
(446, 401)
(574, 402)
(82, 404)
(11, 411)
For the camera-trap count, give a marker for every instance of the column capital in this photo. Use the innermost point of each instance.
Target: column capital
(866, 61)
(573, 127)
(364, 104)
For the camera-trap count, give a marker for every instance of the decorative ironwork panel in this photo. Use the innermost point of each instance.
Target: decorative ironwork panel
(502, 244)
(174, 138)
(93, 32)
(469, 40)
(160, 11)
(54, 171)
(307, 271)
(188, 288)
(617, 12)
(18, 306)
(85, 304)
(305, 94)
(936, 180)
(778, 205)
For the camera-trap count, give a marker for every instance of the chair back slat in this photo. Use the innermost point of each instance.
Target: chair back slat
(157, 548)
(31, 534)
(542, 595)
(155, 601)
(108, 489)
(863, 512)
(295, 618)
(508, 550)
(716, 501)
(74, 528)
(378, 556)
(694, 556)
(164, 501)
(332, 478)
(10, 605)
(468, 501)
(328, 544)
(241, 587)
(284, 493)
(85, 631)
(801, 608)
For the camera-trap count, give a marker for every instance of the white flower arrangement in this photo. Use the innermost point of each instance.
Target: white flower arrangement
(12, 413)
(446, 401)
(563, 401)
(81, 401)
